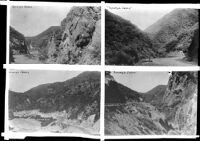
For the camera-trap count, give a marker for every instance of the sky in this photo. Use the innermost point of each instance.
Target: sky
(142, 17)
(142, 81)
(31, 21)
(21, 81)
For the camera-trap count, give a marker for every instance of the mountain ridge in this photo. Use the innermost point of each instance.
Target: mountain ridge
(80, 92)
(174, 30)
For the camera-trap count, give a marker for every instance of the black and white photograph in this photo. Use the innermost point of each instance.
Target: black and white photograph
(148, 35)
(100, 70)
(151, 103)
(55, 35)
(52, 101)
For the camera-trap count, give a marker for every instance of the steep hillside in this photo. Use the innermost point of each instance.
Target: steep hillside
(193, 49)
(174, 31)
(155, 95)
(118, 93)
(125, 44)
(79, 95)
(17, 43)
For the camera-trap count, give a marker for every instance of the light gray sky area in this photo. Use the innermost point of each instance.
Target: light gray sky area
(31, 21)
(142, 81)
(141, 17)
(21, 81)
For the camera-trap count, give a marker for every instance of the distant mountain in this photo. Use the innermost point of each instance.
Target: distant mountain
(125, 44)
(41, 40)
(80, 94)
(155, 95)
(174, 30)
(17, 44)
(118, 93)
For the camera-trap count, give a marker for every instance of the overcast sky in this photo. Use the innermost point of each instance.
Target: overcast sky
(142, 81)
(142, 17)
(21, 82)
(32, 21)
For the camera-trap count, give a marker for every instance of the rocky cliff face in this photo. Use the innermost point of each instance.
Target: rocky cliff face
(80, 41)
(125, 44)
(17, 43)
(174, 31)
(79, 97)
(180, 102)
(192, 52)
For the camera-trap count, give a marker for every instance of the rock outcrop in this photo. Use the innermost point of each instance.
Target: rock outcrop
(192, 52)
(180, 103)
(81, 36)
(125, 44)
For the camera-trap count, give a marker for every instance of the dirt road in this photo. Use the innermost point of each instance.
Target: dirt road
(168, 61)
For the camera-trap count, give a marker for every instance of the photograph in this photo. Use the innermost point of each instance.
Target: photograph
(52, 101)
(55, 35)
(151, 103)
(151, 35)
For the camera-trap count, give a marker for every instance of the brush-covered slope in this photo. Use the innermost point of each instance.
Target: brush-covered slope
(174, 31)
(79, 95)
(17, 44)
(155, 95)
(116, 93)
(125, 44)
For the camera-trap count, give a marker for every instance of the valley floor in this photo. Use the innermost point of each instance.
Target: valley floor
(27, 59)
(32, 125)
(27, 121)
